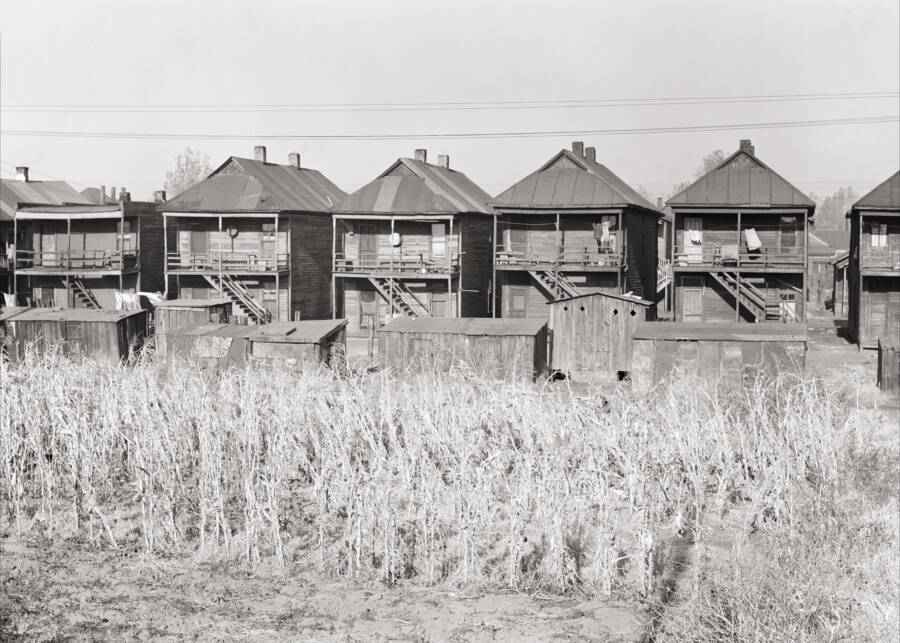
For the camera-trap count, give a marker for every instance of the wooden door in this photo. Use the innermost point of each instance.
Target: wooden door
(368, 309)
(76, 250)
(48, 250)
(368, 245)
(692, 304)
(517, 303)
(518, 239)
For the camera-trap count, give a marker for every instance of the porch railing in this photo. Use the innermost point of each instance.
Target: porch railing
(395, 263)
(706, 254)
(881, 258)
(229, 262)
(567, 256)
(70, 260)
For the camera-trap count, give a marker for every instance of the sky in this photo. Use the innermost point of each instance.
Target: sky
(268, 52)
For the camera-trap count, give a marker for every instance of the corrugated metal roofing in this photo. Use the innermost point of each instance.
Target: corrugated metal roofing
(14, 194)
(465, 326)
(246, 185)
(67, 314)
(413, 187)
(741, 179)
(570, 181)
(886, 195)
(73, 209)
(732, 331)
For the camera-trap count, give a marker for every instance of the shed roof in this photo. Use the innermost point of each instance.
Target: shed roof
(633, 299)
(67, 314)
(885, 196)
(192, 303)
(247, 185)
(733, 331)
(742, 180)
(570, 181)
(409, 186)
(15, 194)
(311, 331)
(837, 240)
(465, 326)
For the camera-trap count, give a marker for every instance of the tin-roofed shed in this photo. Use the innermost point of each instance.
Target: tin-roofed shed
(175, 314)
(501, 348)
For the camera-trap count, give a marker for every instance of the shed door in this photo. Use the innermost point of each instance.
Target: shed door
(692, 304)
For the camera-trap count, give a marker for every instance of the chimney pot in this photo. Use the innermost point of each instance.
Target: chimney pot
(259, 153)
(112, 193)
(422, 155)
(294, 160)
(747, 146)
(103, 194)
(124, 196)
(659, 205)
(22, 174)
(578, 149)
(159, 196)
(444, 161)
(590, 153)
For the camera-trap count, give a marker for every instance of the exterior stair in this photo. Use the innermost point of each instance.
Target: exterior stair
(241, 297)
(83, 295)
(754, 301)
(554, 282)
(401, 297)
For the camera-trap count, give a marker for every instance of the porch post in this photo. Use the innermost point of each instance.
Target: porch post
(121, 245)
(165, 256)
(391, 280)
(493, 286)
(805, 265)
(221, 241)
(737, 301)
(69, 299)
(333, 267)
(621, 252)
(558, 251)
(277, 276)
(15, 258)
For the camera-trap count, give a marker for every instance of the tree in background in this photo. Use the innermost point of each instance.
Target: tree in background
(191, 167)
(831, 211)
(710, 162)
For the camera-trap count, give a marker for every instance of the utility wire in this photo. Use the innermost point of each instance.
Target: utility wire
(449, 135)
(443, 106)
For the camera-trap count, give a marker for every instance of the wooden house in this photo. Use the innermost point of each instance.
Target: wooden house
(873, 274)
(78, 254)
(104, 335)
(506, 349)
(825, 248)
(256, 233)
(415, 242)
(729, 351)
(591, 335)
(292, 345)
(740, 244)
(570, 228)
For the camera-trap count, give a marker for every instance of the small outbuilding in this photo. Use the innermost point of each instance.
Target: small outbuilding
(591, 334)
(726, 350)
(291, 345)
(507, 349)
(174, 314)
(104, 335)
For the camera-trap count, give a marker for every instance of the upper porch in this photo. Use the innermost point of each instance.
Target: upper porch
(879, 244)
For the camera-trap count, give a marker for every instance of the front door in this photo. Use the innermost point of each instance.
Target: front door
(368, 309)
(48, 246)
(692, 304)
(368, 245)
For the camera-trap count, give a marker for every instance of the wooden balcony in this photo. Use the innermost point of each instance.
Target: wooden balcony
(567, 258)
(75, 261)
(707, 256)
(226, 262)
(880, 259)
(397, 264)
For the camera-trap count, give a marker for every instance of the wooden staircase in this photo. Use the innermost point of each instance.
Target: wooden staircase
(401, 297)
(753, 300)
(232, 289)
(83, 295)
(554, 282)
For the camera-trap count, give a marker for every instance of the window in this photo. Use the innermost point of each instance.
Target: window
(605, 232)
(438, 240)
(788, 234)
(124, 240)
(267, 245)
(879, 235)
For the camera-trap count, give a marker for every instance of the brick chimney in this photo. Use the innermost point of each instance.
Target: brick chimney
(22, 174)
(124, 195)
(747, 146)
(578, 149)
(103, 194)
(444, 161)
(590, 153)
(259, 153)
(294, 159)
(159, 196)
(112, 194)
(422, 155)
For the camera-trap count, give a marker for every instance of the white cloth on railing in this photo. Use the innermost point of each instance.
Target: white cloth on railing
(695, 236)
(155, 298)
(9, 299)
(753, 242)
(127, 301)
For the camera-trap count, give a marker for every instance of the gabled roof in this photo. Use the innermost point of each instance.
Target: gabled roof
(838, 240)
(885, 196)
(409, 186)
(742, 180)
(570, 181)
(15, 194)
(247, 185)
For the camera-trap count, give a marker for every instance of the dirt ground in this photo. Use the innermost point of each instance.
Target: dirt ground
(73, 592)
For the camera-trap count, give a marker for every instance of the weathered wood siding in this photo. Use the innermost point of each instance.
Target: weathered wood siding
(432, 293)
(415, 237)
(310, 277)
(514, 285)
(640, 253)
(718, 304)
(475, 264)
(879, 310)
(261, 287)
(889, 363)
(149, 225)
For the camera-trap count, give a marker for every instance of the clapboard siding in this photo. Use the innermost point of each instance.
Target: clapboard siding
(475, 264)
(310, 275)
(431, 294)
(520, 283)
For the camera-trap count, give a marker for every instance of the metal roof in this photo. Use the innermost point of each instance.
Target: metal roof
(830, 240)
(246, 185)
(67, 314)
(192, 303)
(73, 209)
(465, 326)
(15, 194)
(886, 195)
(570, 181)
(414, 187)
(311, 331)
(634, 299)
(741, 179)
(730, 331)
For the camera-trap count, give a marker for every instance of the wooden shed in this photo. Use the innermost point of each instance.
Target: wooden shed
(726, 350)
(501, 348)
(284, 344)
(175, 314)
(104, 335)
(591, 334)
(888, 364)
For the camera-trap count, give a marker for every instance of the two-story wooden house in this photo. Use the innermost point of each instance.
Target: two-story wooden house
(740, 244)
(414, 242)
(256, 233)
(570, 228)
(72, 253)
(874, 265)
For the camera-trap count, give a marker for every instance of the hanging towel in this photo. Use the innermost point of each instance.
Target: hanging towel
(695, 236)
(752, 238)
(604, 232)
(9, 299)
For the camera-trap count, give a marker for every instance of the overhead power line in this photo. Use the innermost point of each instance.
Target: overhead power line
(443, 105)
(451, 135)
